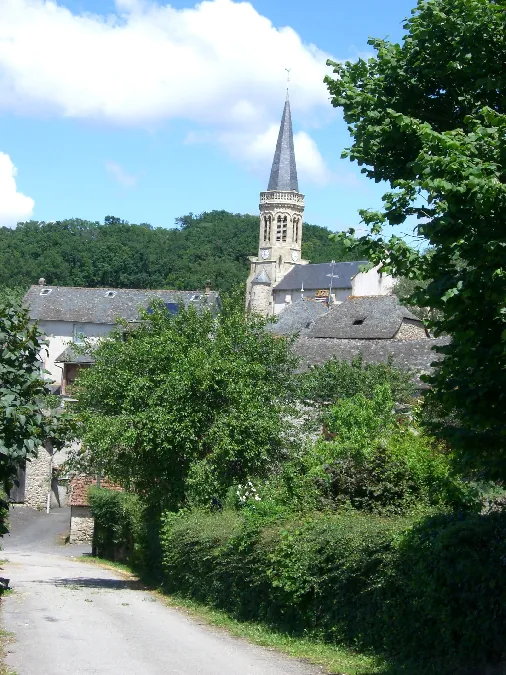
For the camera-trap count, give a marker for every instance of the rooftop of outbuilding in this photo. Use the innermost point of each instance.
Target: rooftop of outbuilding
(376, 317)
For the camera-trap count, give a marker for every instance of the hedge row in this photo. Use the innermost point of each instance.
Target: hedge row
(429, 591)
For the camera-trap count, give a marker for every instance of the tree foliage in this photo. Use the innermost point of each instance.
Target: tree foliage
(183, 406)
(25, 422)
(75, 252)
(428, 117)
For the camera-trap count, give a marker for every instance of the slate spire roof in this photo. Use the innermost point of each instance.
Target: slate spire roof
(284, 169)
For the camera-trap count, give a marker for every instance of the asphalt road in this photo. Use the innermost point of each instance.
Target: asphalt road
(71, 617)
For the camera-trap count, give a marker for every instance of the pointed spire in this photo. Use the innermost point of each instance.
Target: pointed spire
(284, 169)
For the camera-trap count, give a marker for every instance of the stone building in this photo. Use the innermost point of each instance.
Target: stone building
(278, 275)
(81, 520)
(378, 328)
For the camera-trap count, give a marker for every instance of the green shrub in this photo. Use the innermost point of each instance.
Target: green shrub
(336, 380)
(118, 520)
(359, 420)
(429, 591)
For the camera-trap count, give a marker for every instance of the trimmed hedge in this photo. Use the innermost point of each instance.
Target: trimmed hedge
(430, 592)
(117, 520)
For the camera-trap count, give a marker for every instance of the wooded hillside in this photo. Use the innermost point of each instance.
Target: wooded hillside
(116, 253)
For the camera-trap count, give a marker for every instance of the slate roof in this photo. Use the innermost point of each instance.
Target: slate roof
(416, 355)
(69, 355)
(262, 278)
(93, 305)
(284, 170)
(317, 276)
(298, 317)
(376, 317)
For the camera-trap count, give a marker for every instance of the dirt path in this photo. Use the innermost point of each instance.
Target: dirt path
(71, 617)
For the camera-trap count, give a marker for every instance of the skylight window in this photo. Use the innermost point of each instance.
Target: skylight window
(358, 322)
(195, 297)
(110, 294)
(45, 291)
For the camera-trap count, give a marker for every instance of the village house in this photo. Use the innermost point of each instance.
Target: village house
(67, 316)
(377, 327)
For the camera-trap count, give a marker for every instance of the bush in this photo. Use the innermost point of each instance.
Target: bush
(427, 591)
(336, 380)
(118, 517)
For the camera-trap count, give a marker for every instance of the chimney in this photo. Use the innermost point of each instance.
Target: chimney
(208, 287)
(42, 281)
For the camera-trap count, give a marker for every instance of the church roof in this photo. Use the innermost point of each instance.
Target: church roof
(374, 317)
(261, 278)
(284, 170)
(317, 276)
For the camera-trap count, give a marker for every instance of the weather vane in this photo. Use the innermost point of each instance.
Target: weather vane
(288, 74)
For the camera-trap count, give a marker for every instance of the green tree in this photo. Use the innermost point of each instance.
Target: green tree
(25, 422)
(185, 405)
(428, 117)
(214, 245)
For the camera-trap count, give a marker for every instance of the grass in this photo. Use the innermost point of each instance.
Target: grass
(5, 638)
(334, 659)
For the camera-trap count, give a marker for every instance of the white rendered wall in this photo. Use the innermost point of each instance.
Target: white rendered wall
(372, 283)
(60, 335)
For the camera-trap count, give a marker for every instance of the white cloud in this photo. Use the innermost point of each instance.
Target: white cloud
(14, 206)
(220, 65)
(120, 174)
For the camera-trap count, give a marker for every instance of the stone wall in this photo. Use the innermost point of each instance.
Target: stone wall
(261, 295)
(38, 480)
(81, 525)
(411, 330)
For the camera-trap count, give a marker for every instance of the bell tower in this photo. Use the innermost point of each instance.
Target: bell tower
(281, 212)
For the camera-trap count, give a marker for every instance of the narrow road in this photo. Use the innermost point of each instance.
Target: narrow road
(71, 617)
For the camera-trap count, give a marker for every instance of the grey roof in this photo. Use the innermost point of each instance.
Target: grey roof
(364, 318)
(69, 355)
(103, 305)
(284, 170)
(416, 355)
(318, 276)
(298, 317)
(262, 278)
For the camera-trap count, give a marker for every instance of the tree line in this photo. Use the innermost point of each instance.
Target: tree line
(214, 245)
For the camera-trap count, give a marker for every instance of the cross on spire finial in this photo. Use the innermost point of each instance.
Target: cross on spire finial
(288, 74)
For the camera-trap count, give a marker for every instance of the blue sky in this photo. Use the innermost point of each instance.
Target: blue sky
(149, 111)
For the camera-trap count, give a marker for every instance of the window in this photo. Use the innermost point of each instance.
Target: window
(295, 230)
(77, 334)
(195, 297)
(45, 291)
(110, 294)
(281, 228)
(358, 322)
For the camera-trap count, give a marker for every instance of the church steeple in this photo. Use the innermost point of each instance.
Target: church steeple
(284, 169)
(281, 214)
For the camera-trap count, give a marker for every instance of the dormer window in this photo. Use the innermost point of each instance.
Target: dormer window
(195, 297)
(45, 291)
(110, 294)
(358, 322)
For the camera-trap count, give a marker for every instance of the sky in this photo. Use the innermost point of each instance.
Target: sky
(148, 111)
